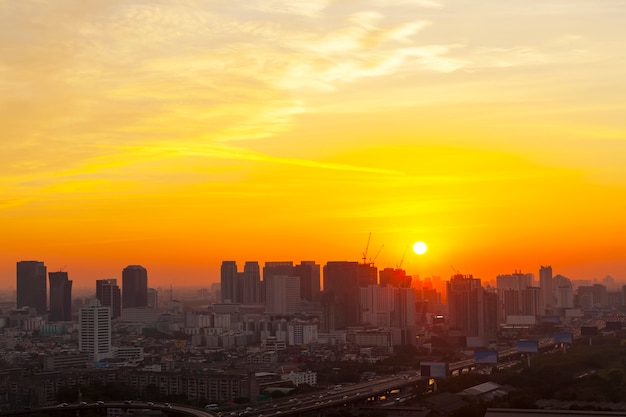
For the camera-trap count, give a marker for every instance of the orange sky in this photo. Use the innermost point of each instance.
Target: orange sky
(176, 135)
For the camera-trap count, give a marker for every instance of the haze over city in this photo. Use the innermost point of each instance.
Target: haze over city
(177, 135)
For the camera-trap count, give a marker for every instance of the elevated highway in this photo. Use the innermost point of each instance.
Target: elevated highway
(74, 410)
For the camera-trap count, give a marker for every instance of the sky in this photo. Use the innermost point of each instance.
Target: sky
(177, 134)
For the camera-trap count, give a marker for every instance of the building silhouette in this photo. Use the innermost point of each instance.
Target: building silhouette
(134, 286)
(250, 284)
(60, 297)
(153, 297)
(282, 294)
(31, 285)
(229, 282)
(109, 295)
(309, 273)
(545, 284)
(340, 300)
(471, 310)
(395, 278)
(94, 331)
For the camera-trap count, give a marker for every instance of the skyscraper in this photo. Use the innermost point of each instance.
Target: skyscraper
(109, 295)
(282, 294)
(250, 283)
(341, 297)
(545, 285)
(466, 309)
(309, 273)
(134, 286)
(60, 297)
(94, 330)
(229, 281)
(31, 285)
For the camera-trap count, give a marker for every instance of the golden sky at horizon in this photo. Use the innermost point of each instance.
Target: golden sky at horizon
(177, 134)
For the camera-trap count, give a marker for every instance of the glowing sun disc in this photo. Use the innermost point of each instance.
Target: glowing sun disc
(419, 248)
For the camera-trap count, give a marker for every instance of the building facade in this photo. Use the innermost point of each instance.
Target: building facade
(60, 297)
(31, 286)
(109, 295)
(134, 286)
(94, 331)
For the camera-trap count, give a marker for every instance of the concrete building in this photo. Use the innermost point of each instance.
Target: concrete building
(60, 297)
(300, 378)
(134, 286)
(309, 273)
(282, 294)
(109, 295)
(376, 305)
(301, 333)
(94, 331)
(545, 284)
(229, 282)
(31, 286)
(466, 310)
(153, 297)
(340, 300)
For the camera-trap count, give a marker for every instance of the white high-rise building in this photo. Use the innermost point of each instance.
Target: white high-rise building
(300, 333)
(94, 331)
(282, 294)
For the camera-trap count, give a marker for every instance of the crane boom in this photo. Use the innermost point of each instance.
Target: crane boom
(376, 256)
(366, 248)
(403, 255)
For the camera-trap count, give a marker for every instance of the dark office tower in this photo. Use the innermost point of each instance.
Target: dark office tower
(229, 281)
(341, 283)
(278, 268)
(250, 280)
(31, 285)
(368, 275)
(395, 278)
(490, 316)
(109, 295)
(60, 297)
(466, 305)
(134, 286)
(309, 273)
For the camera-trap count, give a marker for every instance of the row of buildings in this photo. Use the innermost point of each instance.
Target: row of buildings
(32, 290)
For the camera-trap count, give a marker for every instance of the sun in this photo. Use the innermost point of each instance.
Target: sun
(419, 248)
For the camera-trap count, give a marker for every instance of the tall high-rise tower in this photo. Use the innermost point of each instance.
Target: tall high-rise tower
(309, 273)
(229, 281)
(94, 330)
(545, 285)
(134, 286)
(466, 307)
(109, 295)
(250, 280)
(282, 294)
(341, 296)
(60, 297)
(31, 285)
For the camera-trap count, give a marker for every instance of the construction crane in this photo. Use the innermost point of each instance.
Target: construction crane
(403, 255)
(366, 248)
(376, 256)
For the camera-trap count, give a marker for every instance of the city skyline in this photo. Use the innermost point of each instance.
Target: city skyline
(176, 136)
